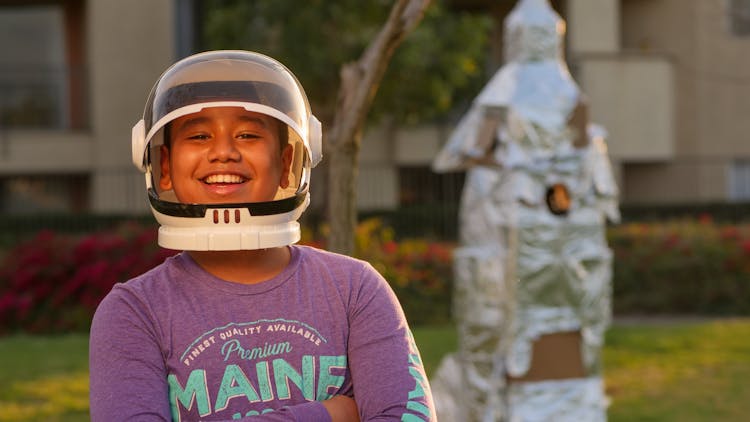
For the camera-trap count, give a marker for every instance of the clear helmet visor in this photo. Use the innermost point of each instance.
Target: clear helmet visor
(260, 82)
(245, 80)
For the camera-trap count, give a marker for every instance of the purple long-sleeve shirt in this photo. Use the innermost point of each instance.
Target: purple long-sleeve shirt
(180, 344)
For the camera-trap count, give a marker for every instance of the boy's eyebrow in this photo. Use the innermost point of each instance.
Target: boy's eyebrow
(202, 119)
(192, 121)
(253, 119)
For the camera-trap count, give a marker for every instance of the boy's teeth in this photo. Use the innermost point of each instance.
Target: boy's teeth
(223, 178)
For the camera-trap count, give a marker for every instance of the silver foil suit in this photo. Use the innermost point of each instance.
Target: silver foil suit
(533, 259)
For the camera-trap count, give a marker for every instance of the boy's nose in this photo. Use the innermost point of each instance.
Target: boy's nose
(223, 149)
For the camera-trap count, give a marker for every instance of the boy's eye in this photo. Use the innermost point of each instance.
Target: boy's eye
(246, 135)
(198, 136)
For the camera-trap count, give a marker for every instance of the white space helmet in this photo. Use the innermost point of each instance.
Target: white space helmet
(231, 78)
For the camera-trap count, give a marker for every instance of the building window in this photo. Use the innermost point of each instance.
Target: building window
(739, 182)
(739, 17)
(41, 72)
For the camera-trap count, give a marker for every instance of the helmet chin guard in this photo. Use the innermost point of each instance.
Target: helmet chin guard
(228, 227)
(232, 78)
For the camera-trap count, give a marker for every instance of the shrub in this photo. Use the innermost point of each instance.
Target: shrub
(419, 271)
(690, 266)
(683, 266)
(53, 282)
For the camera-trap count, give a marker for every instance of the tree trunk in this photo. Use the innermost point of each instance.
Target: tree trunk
(359, 83)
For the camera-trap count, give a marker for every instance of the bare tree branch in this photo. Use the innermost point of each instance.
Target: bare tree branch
(359, 84)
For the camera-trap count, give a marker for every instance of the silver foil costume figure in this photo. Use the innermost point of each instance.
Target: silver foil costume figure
(533, 270)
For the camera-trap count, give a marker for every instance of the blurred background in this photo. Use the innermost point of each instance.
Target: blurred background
(668, 79)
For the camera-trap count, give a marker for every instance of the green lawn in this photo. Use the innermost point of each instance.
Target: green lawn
(44, 378)
(678, 371)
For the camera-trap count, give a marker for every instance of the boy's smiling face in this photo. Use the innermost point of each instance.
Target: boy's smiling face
(225, 155)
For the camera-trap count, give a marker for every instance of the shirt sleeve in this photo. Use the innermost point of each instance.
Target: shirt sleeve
(126, 367)
(387, 372)
(128, 374)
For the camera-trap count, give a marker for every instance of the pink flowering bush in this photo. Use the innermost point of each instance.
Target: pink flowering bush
(53, 282)
(682, 266)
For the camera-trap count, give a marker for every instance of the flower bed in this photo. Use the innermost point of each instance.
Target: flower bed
(681, 267)
(53, 282)
(420, 272)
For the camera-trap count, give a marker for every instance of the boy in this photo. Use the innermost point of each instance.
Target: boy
(242, 323)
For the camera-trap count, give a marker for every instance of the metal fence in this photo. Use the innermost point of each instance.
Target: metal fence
(427, 206)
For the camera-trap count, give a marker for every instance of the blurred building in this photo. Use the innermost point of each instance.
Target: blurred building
(669, 79)
(74, 75)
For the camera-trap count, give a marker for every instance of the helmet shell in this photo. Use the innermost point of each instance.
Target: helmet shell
(228, 78)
